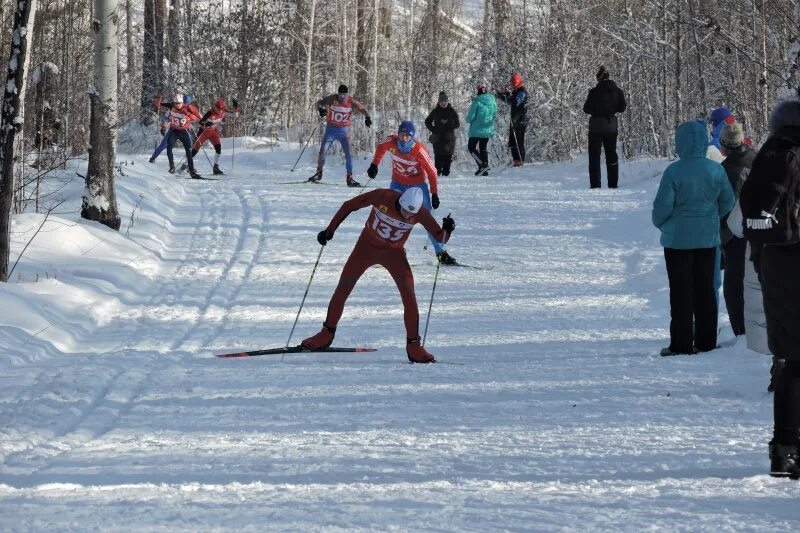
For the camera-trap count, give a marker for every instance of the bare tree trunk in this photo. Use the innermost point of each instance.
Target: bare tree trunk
(309, 49)
(131, 53)
(11, 120)
(699, 57)
(152, 57)
(244, 54)
(173, 44)
(763, 81)
(100, 199)
(361, 47)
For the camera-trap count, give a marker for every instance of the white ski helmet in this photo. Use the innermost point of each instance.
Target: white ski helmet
(178, 98)
(411, 199)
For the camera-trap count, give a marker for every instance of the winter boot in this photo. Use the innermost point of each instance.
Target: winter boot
(417, 353)
(316, 177)
(172, 168)
(446, 259)
(518, 162)
(152, 160)
(321, 340)
(351, 182)
(480, 170)
(183, 167)
(195, 176)
(784, 460)
(217, 171)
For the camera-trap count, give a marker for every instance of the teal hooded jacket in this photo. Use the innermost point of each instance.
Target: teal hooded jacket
(481, 116)
(694, 193)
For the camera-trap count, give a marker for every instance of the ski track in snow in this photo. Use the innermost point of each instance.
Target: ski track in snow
(558, 415)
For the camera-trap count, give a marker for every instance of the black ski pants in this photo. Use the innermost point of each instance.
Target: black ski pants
(607, 142)
(786, 403)
(516, 141)
(733, 282)
(186, 141)
(477, 148)
(692, 302)
(443, 157)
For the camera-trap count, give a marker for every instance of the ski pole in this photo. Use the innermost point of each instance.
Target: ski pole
(233, 148)
(304, 298)
(304, 147)
(430, 305)
(202, 146)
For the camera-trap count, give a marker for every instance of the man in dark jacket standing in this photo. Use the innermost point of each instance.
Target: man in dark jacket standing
(518, 100)
(738, 161)
(442, 123)
(605, 100)
(770, 202)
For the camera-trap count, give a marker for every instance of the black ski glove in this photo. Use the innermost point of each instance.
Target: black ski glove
(448, 224)
(322, 111)
(235, 103)
(368, 121)
(323, 237)
(435, 200)
(372, 171)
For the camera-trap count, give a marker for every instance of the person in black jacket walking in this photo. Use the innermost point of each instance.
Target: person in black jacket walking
(770, 202)
(603, 103)
(442, 122)
(518, 100)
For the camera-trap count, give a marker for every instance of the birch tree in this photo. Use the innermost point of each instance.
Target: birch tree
(11, 120)
(100, 199)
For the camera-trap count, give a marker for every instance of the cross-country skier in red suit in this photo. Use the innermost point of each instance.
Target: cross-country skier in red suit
(391, 219)
(210, 125)
(412, 166)
(180, 118)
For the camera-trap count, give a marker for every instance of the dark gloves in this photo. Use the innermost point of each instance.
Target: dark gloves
(323, 237)
(208, 124)
(322, 111)
(435, 201)
(372, 171)
(235, 103)
(368, 121)
(448, 224)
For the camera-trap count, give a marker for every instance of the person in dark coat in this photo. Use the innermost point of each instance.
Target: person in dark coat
(603, 103)
(442, 122)
(738, 160)
(770, 202)
(517, 98)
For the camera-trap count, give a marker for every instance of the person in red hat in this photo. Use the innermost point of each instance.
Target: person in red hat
(517, 98)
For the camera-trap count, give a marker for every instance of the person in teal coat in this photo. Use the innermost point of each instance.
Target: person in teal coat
(694, 194)
(481, 128)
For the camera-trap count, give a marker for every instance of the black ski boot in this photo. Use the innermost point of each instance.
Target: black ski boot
(195, 176)
(152, 160)
(316, 177)
(217, 171)
(183, 168)
(351, 182)
(784, 460)
(446, 259)
(172, 168)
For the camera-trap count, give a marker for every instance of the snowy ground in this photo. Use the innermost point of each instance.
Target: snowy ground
(556, 412)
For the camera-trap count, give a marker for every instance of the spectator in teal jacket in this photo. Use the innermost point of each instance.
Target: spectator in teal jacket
(694, 194)
(481, 128)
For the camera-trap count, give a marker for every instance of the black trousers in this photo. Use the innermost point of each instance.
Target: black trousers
(443, 157)
(786, 403)
(692, 302)
(516, 141)
(607, 142)
(477, 147)
(186, 141)
(733, 282)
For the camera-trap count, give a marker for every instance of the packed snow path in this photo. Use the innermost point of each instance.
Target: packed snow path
(557, 411)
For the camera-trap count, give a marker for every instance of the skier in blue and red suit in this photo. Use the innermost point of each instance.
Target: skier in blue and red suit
(180, 119)
(338, 112)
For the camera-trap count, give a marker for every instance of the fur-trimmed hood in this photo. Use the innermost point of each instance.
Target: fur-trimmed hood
(785, 114)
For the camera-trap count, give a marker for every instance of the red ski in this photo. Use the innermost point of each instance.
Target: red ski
(294, 349)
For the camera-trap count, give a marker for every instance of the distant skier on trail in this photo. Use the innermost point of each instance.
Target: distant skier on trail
(338, 112)
(517, 98)
(210, 125)
(411, 165)
(391, 219)
(180, 118)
